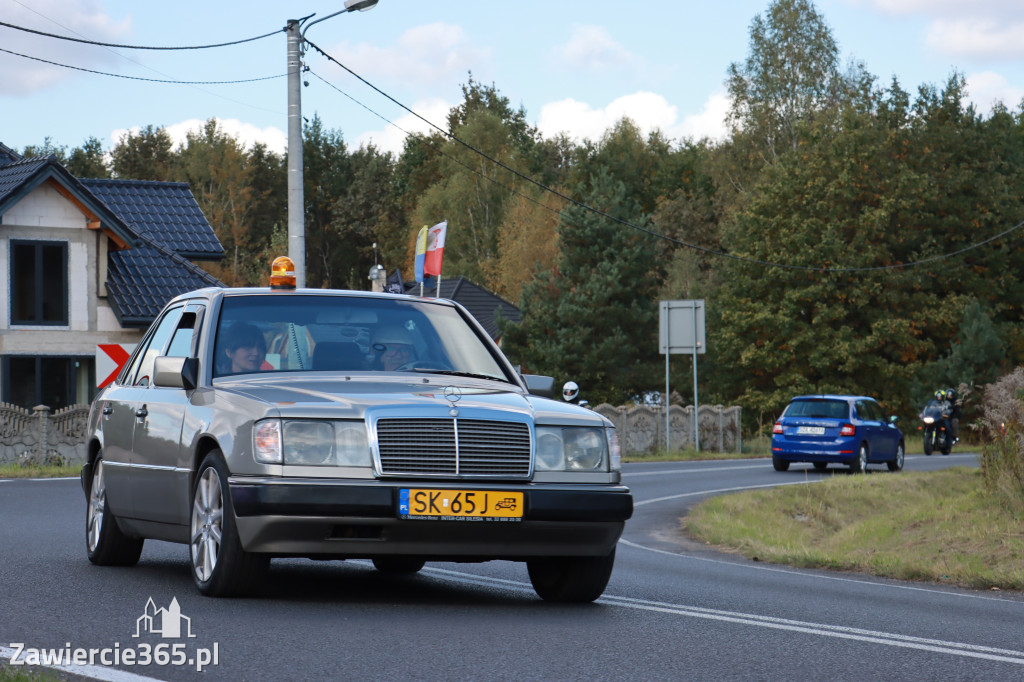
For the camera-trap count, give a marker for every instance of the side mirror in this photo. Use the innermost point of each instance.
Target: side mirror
(176, 372)
(893, 419)
(540, 385)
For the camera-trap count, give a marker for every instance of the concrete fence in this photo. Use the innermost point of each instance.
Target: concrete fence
(36, 436)
(641, 428)
(39, 437)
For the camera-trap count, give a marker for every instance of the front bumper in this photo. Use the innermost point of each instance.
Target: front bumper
(359, 520)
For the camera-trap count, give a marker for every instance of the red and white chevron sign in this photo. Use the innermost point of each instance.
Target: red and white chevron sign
(110, 358)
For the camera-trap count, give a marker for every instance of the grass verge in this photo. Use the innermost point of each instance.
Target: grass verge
(937, 526)
(39, 471)
(10, 674)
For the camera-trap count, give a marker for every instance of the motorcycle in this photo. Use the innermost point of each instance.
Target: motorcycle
(935, 425)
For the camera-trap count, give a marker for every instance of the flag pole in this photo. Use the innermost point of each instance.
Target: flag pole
(437, 293)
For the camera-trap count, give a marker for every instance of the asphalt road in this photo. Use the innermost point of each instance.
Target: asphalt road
(674, 609)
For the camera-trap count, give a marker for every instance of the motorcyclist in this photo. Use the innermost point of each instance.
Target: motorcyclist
(946, 408)
(954, 414)
(571, 392)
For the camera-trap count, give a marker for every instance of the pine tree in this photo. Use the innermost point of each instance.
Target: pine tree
(593, 317)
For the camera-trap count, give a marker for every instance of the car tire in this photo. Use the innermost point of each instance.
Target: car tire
(105, 543)
(780, 464)
(860, 464)
(220, 567)
(896, 463)
(821, 466)
(574, 579)
(398, 564)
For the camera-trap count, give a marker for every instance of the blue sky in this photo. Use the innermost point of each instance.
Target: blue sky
(574, 65)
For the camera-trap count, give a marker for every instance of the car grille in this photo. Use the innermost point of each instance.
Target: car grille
(453, 447)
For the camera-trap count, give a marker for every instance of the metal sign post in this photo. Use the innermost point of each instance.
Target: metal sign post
(681, 328)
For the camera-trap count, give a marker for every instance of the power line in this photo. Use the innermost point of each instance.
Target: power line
(706, 250)
(138, 47)
(140, 78)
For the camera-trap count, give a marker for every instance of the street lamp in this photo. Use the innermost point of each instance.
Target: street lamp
(296, 214)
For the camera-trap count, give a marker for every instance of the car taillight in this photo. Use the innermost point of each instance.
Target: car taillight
(777, 428)
(847, 430)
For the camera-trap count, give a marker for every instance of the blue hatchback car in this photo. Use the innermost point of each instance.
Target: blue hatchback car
(836, 429)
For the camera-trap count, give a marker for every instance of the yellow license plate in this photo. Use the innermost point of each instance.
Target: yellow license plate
(457, 505)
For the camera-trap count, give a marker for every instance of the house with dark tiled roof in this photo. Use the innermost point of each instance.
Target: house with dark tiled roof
(88, 263)
(484, 305)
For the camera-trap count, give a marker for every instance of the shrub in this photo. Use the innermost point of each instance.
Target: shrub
(1002, 460)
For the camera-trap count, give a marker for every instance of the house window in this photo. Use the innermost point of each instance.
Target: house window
(48, 380)
(39, 283)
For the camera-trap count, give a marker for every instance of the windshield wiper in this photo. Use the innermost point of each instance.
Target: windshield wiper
(457, 373)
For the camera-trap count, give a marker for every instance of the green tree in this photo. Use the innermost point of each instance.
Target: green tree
(88, 160)
(976, 356)
(146, 155)
(328, 171)
(217, 169)
(790, 74)
(48, 148)
(471, 195)
(593, 317)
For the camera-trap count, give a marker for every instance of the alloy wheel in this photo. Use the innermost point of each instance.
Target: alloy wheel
(97, 501)
(207, 524)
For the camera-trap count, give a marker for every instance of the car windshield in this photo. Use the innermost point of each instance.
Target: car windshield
(297, 333)
(822, 409)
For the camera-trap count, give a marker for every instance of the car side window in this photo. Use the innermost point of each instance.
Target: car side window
(181, 342)
(154, 348)
(866, 411)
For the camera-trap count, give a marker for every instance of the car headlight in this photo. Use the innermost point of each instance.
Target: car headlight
(571, 448)
(351, 447)
(311, 443)
(308, 443)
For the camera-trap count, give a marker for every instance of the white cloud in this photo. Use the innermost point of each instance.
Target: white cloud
(592, 48)
(977, 37)
(649, 111)
(392, 138)
(986, 88)
(74, 18)
(709, 123)
(423, 56)
(1006, 9)
(247, 134)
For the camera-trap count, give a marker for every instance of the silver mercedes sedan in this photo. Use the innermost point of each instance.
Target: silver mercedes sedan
(259, 423)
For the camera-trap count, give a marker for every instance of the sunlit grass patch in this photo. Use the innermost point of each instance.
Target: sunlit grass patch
(932, 526)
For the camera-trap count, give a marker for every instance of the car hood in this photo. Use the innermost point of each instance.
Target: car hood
(353, 396)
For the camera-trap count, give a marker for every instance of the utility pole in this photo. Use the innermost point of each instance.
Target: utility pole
(296, 199)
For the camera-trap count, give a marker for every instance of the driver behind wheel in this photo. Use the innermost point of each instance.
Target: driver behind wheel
(392, 347)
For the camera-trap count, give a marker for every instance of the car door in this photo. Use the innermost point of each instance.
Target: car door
(888, 434)
(159, 474)
(869, 425)
(117, 406)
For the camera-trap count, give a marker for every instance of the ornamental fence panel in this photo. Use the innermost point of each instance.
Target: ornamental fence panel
(38, 437)
(641, 428)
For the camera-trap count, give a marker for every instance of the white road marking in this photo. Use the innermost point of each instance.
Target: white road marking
(783, 570)
(760, 464)
(820, 576)
(93, 672)
(696, 470)
(723, 490)
(820, 629)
